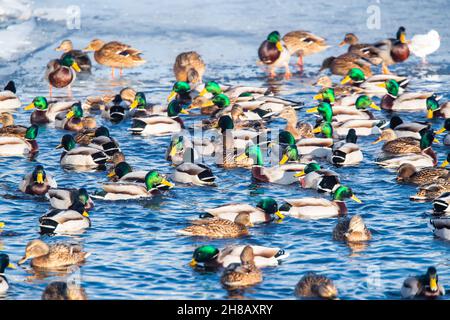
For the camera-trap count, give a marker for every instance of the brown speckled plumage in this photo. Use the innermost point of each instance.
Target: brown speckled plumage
(313, 285)
(219, 228)
(243, 275)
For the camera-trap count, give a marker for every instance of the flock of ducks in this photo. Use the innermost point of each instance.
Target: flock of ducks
(238, 118)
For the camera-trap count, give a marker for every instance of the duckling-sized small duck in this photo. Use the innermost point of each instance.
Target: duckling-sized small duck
(79, 157)
(408, 101)
(154, 184)
(445, 127)
(341, 65)
(441, 205)
(71, 120)
(65, 198)
(274, 54)
(11, 146)
(281, 174)
(189, 67)
(8, 97)
(243, 274)
(73, 220)
(393, 50)
(372, 85)
(265, 211)
(436, 110)
(9, 128)
(346, 153)
(426, 285)
(351, 230)
(219, 228)
(190, 172)
(160, 125)
(426, 158)
(318, 208)
(303, 43)
(80, 57)
(401, 145)
(408, 173)
(59, 290)
(422, 45)
(58, 255)
(38, 182)
(46, 111)
(4, 263)
(115, 54)
(61, 73)
(314, 177)
(211, 257)
(312, 285)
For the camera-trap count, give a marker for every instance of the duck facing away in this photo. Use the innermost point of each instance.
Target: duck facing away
(60, 290)
(351, 230)
(53, 256)
(189, 67)
(312, 285)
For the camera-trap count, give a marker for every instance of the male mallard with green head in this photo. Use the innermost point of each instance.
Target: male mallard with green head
(393, 50)
(38, 182)
(4, 263)
(61, 73)
(273, 53)
(426, 285)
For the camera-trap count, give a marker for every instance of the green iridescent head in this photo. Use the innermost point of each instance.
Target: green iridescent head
(326, 129)
(363, 102)
(67, 142)
(326, 95)
(432, 106)
(326, 111)
(225, 123)
(174, 108)
(392, 87)
(354, 74)
(32, 132)
(139, 102)
(39, 103)
(426, 138)
(274, 37)
(221, 101)
(102, 132)
(268, 205)
(153, 179)
(39, 174)
(206, 253)
(344, 192)
(121, 169)
(83, 196)
(290, 154)
(76, 111)
(4, 263)
(285, 137)
(254, 152)
(312, 167)
(211, 87)
(180, 88)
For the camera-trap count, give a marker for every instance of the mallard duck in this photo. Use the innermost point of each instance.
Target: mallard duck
(210, 106)
(364, 50)
(281, 174)
(219, 228)
(441, 224)
(340, 65)
(407, 129)
(436, 110)
(61, 73)
(303, 43)
(408, 173)
(442, 203)
(422, 45)
(122, 172)
(9, 128)
(236, 93)
(77, 157)
(180, 143)
(8, 97)
(65, 198)
(351, 230)
(46, 111)
(401, 145)
(426, 158)
(312, 285)
(139, 108)
(317, 208)
(393, 50)
(431, 191)
(58, 255)
(371, 86)
(211, 257)
(116, 110)
(11, 146)
(243, 274)
(445, 127)
(273, 53)
(4, 263)
(81, 58)
(115, 54)
(426, 285)
(325, 82)
(292, 125)
(103, 141)
(154, 183)
(38, 182)
(71, 120)
(314, 177)
(73, 220)
(59, 290)
(160, 125)
(265, 211)
(346, 153)
(190, 172)
(181, 91)
(189, 67)
(408, 101)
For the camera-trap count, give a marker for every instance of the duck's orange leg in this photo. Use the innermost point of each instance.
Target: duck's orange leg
(300, 62)
(287, 74)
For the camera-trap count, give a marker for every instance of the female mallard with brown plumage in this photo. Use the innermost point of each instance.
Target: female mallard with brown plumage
(393, 50)
(431, 191)
(340, 65)
(61, 73)
(210, 256)
(189, 67)
(9, 128)
(303, 43)
(408, 173)
(59, 290)
(219, 228)
(351, 230)
(59, 255)
(81, 58)
(274, 54)
(38, 182)
(115, 54)
(401, 145)
(312, 285)
(364, 50)
(243, 274)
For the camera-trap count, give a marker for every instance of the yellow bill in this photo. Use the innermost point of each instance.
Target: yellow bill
(318, 96)
(374, 106)
(173, 151)
(436, 141)
(299, 174)
(433, 284)
(70, 114)
(203, 92)
(208, 103)
(440, 131)
(184, 111)
(76, 67)
(279, 214)
(85, 214)
(312, 110)
(317, 130)
(30, 106)
(193, 263)
(377, 141)
(166, 183)
(355, 198)
(279, 46)
(171, 96)
(111, 174)
(11, 266)
(134, 105)
(40, 178)
(2, 225)
(382, 85)
(346, 80)
(430, 114)
(402, 38)
(284, 159)
(59, 146)
(241, 157)
(444, 164)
